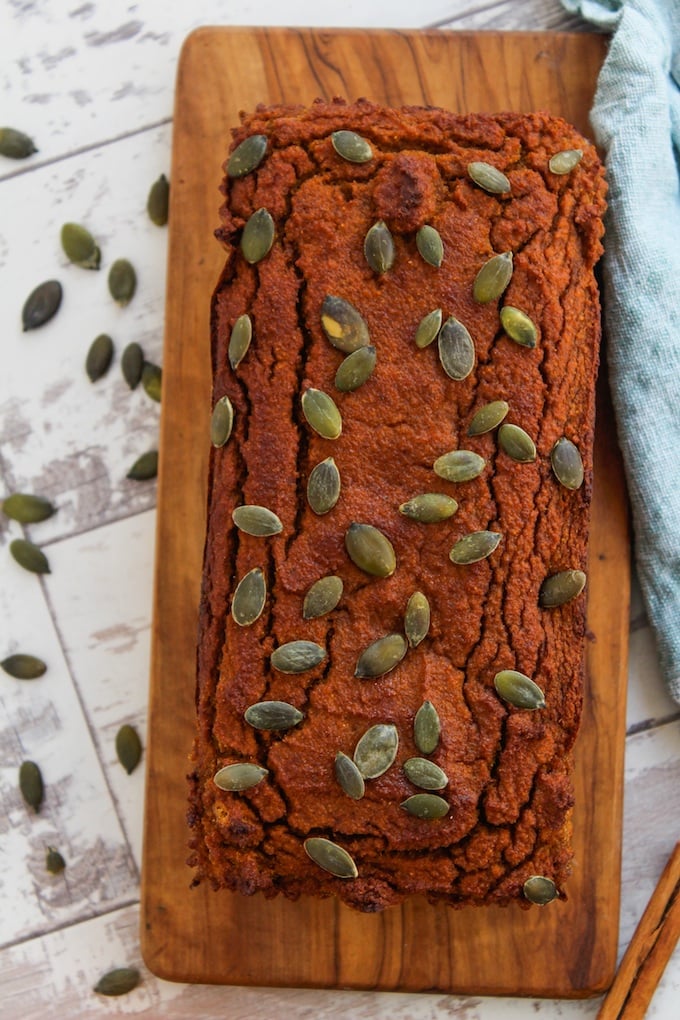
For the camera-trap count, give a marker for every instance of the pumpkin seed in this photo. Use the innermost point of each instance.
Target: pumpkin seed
(222, 421)
(563, 162)
(132, 364)
(370, 550)
(297, 656)
(560, 588)
(488, 417)
(145, 467)
(122, 282)
(355, 369)
(330, 857)
(322, 597)
(322, 413)
(29, 556)
(518, 689)
(79, 246)
(429, 244)
(247, 156)
(23, 667)
(488, 177)
(249, 598)
(119, 981)
(272, 715)
(258, 236)
(428, 328)
(425, 774)
(41, 304)
(429, 507)
(379, 248)
(349, 777)
(426, 805)
(474, 547)
(256, 520)
(343, 324)
(158, 200)
(239, 340)
(417, 619)
(99, 356)
(540, 890)
(380, 657)
(567, 464)
(242, 775)
(376, 750)
(31, 784)
(492, 278)
(456, 349)
(517, 443)
(15, 144)
(152, 381)
(351, 146)
(128, 748)
(459, 466)
(54, 862)
(26, 508)
(518, 326)
(426, 728)
(323, 486)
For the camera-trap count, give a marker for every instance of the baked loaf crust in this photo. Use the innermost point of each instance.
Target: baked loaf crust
(508, 792)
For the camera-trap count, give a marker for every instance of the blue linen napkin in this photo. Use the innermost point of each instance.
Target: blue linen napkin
(636, 120)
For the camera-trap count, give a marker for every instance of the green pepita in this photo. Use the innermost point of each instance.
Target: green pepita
(132, 364)
(152, 381)
(540, 890)
(565, 161)
(380, 657)
(488, 417)
(239, 340)
(518, 689)
(489, 177)
(128, 748)
(31, 784)
(23, 667)
(297, 656)
(370, 550)
(15, 144)
(519, 326)
(429, 507)
(430, 246)
(417, 618)
(376, 750)
(26, 508)
(426, 728)
(355, 369)
(379, 248)
(424, 773)
(567, 464)
(247, 156)
(122, 282)
(560, 588)
(349, 777)
(256, 520)
(474, 547)
(351, 146)
(29, 556)
(343, 324)
(54, 862)
(331, 857)
(428, 328)
(258, 236)
(145, 467)
(41, 305)
(79, 246)
(456, 349)
(241, 775)
(249, 598)
(322, 413)
(514, 441)
(459, 466)
(119, 981)
(158, 200)
(493, 278)
(99, 357)
(323, 596)
(222, 421)
(426, 805)
(272, 715)
(323, 486)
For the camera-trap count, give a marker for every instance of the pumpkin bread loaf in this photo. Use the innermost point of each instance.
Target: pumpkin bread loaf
(405, 344)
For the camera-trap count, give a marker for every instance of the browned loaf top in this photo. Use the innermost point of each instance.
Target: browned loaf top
(504, 792)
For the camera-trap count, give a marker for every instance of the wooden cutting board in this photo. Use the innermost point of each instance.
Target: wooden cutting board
(196, 934)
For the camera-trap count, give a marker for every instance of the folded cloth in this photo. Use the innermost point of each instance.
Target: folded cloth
(636, 120)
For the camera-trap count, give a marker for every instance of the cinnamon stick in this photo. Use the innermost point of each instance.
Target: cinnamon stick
(649, 949)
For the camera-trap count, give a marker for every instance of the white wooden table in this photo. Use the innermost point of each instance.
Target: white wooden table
(93, 83)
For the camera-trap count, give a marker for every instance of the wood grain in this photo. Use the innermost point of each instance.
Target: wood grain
(196, 935)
